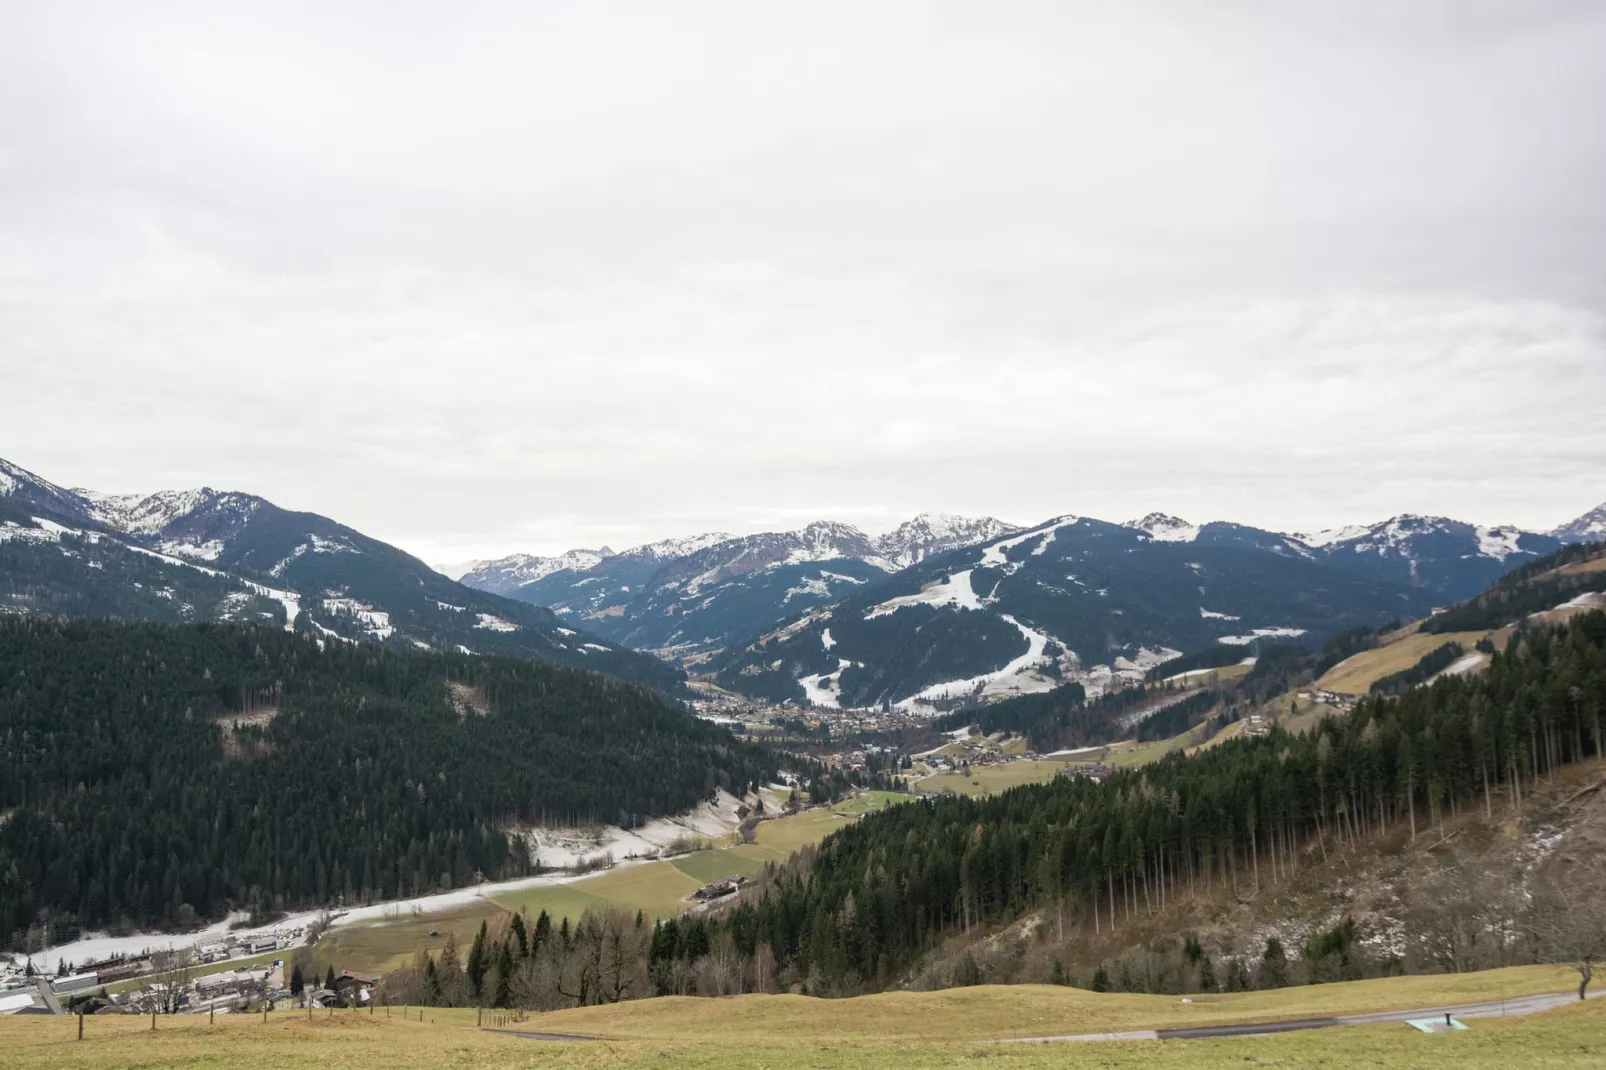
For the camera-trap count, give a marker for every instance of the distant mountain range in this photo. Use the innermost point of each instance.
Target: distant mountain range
(688, 598)
(941, 610)
(201, 555)
(757, 611)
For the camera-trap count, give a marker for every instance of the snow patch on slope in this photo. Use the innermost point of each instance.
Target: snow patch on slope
(1261, 633)
(993, 556)
(288, 599)
(821, 688)
(957, 592)
(1018, 677)
(1498, 543)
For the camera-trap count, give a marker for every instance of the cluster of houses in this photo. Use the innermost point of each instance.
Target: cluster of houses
(1336, 699)
(1093, 771)
(719, 889)
(23, 992)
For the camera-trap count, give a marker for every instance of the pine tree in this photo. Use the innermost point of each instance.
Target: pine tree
(329, 978)
(543, 931)
(503, 993)
(297, 982)
(1101, 979)
(520, 935)
(477, 963)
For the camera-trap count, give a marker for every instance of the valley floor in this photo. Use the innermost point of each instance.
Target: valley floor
(907, 1030)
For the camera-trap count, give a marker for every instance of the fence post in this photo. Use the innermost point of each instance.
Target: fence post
(153, 1021)
(80, 1025)
(211, 1016)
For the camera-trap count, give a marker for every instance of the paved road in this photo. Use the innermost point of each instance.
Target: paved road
(1499, 1008)
(540, 1036)
(48, 992)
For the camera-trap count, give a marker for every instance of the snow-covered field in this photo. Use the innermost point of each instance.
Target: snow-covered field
(288, 599)
(1468, 663)
(957, 592)
(1261, 633)
(814, 688)
(566, 848)
(1018, 677)
(993, 556)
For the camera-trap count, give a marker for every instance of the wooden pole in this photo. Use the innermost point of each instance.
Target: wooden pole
(211, 1016)
(153, 1021)
(80, 1025)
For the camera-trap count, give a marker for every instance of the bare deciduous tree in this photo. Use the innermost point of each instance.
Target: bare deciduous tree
(1568, 920)
(1463, 917)
(171, 981)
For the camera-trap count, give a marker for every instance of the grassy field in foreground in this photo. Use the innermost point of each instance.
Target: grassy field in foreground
(945, 1029)
(996, 1011)
(1356, 675)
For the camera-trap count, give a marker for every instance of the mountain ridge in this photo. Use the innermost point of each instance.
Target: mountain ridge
(230, 556)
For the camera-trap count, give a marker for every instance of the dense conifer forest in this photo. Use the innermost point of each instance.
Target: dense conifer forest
(156, 774)
(859, 912)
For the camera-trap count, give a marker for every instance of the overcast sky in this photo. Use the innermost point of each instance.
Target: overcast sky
(480, 278)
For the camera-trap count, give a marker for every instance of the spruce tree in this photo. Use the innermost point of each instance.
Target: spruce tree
(1101, 979)
(543, 931)
(297, 982)
(477, 963)
(503, 993)
(521, 935)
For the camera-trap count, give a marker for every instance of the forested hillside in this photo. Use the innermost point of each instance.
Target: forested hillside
(156, 774)
(882, 892)
(189, 556)
(1533, 588)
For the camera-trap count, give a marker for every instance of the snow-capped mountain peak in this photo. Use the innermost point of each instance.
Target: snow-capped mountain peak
(514, 571)
(1163, 528)
(1591, 527)
(670, 549)
(933, 533)
(23, 486)
(148, 514)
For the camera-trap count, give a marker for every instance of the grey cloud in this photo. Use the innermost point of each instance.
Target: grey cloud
(489, 277)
